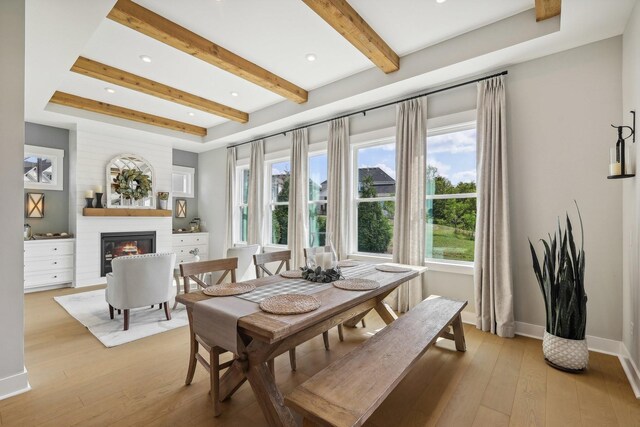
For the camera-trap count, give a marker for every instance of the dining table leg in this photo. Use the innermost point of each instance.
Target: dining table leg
(269, 396)
(385, 312)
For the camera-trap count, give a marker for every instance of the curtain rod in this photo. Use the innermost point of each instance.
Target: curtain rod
(376, 107)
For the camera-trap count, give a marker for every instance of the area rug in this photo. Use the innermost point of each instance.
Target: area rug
(91, 309)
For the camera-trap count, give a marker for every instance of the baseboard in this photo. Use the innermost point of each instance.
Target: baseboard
(630, 369)
(13, 385)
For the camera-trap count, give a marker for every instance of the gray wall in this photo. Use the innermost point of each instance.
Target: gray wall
(13, 377)
(558, 112)
(186, 158)
(56, 211)
(631, 199)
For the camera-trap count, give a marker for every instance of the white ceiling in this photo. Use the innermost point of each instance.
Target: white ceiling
(275, 34)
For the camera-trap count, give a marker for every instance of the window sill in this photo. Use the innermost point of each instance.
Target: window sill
(432, 265)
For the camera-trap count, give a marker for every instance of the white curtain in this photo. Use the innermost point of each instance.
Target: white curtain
(298, 226)
(338, 185)
(255, 202)
(409, 220)
(230, 201)
(492, 265)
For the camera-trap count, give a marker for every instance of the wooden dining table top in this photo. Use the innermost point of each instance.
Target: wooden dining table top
(271, 328)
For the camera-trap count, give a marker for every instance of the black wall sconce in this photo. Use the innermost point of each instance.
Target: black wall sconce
(619, 156)
(35, 205)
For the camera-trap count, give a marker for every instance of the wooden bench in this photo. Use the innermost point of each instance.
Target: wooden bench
(349, 390)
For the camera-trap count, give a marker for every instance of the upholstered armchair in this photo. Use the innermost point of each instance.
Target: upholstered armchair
(140, 281)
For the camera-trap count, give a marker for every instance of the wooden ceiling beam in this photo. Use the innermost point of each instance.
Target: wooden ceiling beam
(546, 9)
(345, 20)
(145, 21)
(74, 101)
(119, 77)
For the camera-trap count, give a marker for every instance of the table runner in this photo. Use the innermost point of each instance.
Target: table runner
(215, 320)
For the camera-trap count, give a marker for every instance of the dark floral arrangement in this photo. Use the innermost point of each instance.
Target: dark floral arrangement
(321, 276)
(132, 184)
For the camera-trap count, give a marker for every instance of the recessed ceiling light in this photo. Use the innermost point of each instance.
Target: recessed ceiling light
(145, 58)
(234, 93)
(311, 57)
(110, 90)
(440, 1)
(191, 113)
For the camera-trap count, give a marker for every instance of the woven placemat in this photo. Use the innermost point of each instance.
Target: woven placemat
(356, 284)
(292, 274)
(392, 269)
(228, 289)
(290, 304)
(348, 263)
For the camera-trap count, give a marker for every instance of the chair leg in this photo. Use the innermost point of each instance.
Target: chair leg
(292, 359)
(214, 373)
(152, 305)
(194, 350)
(167, 311)
(325, 337)
(119, 311)
(364, 325)
(111, 311)
(126, 319)
(160, 306)
(340, 334)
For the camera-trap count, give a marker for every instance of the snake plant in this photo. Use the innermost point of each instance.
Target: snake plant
(561, 280)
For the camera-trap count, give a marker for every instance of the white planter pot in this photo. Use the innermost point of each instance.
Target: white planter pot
(563, 353)
(163, 204)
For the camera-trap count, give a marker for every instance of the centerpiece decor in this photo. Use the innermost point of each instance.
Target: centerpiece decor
(322, 263)
(321, 276)
(561, 281)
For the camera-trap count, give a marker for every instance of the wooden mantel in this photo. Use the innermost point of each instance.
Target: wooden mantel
(125, 212)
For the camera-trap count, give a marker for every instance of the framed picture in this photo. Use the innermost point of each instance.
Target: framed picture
(181, 208)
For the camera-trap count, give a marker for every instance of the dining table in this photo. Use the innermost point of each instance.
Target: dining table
(262, 336)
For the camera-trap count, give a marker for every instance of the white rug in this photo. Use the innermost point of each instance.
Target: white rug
(91, 309)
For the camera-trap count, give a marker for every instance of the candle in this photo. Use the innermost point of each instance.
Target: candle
(323, 260)
(615, 169)
(98, 188)
(89, 194)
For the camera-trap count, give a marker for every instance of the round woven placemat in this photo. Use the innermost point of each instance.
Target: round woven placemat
(228, 289)
(392, 269)
(289, 304)
(356, 284)
(347, 263)
(292, 274)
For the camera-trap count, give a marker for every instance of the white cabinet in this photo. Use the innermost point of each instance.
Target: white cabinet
(185, 243)
(48, 263)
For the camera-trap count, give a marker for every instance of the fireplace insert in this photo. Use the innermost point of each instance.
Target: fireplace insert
(114, 245)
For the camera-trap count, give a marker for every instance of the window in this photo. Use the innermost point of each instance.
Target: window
(42, 168)
(242, 207)
(375, 197)
(182, 181)
(280, 173)
(451, 194)
(317, 199)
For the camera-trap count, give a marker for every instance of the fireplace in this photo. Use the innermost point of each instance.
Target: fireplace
(114, 245)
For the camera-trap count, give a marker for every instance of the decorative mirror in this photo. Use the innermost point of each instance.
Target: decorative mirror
(130, 183)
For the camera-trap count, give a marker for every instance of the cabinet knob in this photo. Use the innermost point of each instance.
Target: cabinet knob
(55, 262)
(55, 277)
(55, 249)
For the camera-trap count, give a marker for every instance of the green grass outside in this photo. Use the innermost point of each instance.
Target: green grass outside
(447, 244)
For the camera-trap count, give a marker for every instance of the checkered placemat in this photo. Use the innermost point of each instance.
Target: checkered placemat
(301, 286)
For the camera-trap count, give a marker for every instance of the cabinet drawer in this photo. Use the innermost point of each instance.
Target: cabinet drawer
(49, 263)
(190, 239)
(46, 279)
(190, 258)
(184, 250)
(48, 249)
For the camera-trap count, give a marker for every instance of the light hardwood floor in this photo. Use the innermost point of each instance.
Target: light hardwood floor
(497, 382)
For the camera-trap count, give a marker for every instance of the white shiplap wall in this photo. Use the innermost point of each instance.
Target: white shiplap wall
(90, 154)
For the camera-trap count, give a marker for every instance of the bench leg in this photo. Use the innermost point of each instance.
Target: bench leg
(458, 333)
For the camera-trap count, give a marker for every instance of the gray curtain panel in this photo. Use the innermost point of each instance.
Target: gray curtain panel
(492, 266)
(230, 196)
(338, 185)
(255, 202)
(409, 220)
(298, 237)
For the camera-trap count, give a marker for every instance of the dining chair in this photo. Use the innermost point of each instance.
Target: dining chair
(312, 251)
(194, 271)
(284, 258)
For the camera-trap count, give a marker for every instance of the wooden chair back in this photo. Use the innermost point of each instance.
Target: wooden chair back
(197, 270)
(260, 261)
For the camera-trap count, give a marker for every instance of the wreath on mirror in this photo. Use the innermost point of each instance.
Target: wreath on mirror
(132, 184)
